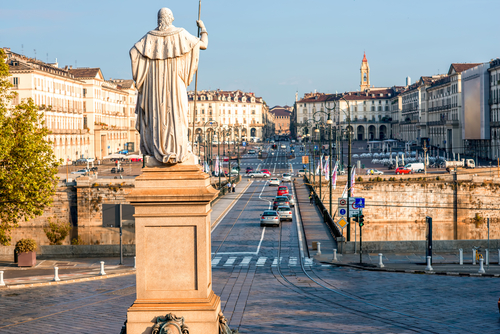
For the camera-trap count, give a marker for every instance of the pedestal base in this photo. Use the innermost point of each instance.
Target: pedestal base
(201, 317)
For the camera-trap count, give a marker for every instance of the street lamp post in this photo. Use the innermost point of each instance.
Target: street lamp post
(349, 167)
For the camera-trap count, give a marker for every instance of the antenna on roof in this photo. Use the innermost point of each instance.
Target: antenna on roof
(35, 52)
(47, 57)
(22, 48)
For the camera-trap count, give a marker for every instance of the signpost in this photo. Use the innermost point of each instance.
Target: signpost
(342, 222)
(305, 160)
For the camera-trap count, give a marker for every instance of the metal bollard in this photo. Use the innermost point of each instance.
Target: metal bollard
(335, 255)
(134, 263)
(319, 249)
(56, 275)
(429, 267)
(461, 251)
(2, 283)
(474, 257)
(380, 264)
(481, 268)
(101, 273)
(487, 257)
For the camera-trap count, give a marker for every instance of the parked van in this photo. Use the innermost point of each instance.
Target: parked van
(416, 167)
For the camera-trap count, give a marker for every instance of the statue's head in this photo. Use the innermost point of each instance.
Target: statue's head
(165, 18)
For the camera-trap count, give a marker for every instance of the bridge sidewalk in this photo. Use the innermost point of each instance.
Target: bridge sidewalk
(315, 228)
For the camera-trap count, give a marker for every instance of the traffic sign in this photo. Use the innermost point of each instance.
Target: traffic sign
(359, 202)
(244, 143)
(353, 209)
(342, 222)
(315, 147)
(342, 202)
(304, 166)
(342, 212)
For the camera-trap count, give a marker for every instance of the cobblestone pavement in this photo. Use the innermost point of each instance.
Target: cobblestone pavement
(266, 288)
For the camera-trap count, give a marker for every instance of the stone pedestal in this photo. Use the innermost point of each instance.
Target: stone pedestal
(173, 249)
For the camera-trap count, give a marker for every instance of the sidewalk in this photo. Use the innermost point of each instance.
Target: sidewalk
(82, 269)
(314, 227)
(442, 263)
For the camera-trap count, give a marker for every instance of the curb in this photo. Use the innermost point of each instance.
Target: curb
(76, 280)
(409, 271)
(230, 206)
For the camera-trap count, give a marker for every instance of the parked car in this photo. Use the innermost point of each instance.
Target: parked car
(234, 172)
(81, 171)
(291, 199)
(249, 169)
(274, 181)
(282, 190)
(280, 201)
(117, 170)
(270, 218)
(283, 146)
(416, 167)
(302, 172)
(251, 152)
(136, 159)
(226, 159)
(81, 161)
(285, 213)
(403, 170)
(257, 173)
(374, 172)
(287, 177)
(93, 169)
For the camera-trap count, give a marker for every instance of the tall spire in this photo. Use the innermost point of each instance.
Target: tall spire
(364, 58)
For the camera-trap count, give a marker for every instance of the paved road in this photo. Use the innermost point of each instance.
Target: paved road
(266, 287)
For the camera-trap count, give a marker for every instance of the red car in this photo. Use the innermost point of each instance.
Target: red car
(282, 190)
(136, 159)
(266, 171)
(402, 170)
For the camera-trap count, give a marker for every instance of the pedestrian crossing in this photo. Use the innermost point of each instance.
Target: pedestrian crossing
(246, 261)
(271, 163)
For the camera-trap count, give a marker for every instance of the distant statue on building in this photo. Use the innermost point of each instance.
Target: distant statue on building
(164, 62)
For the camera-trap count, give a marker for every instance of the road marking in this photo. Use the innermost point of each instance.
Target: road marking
(275, 261)
(246, 261)
(292, 262)
(309, 261)
(229, 262)
(216, 261)
(274, 169)
(261, 261)
(261, 238)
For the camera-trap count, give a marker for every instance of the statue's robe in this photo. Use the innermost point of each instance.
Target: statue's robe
(163, 66)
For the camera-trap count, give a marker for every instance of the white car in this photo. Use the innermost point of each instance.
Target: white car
(80, 172)
(283, 146)
(270, 217)
(258, 173)
(374, 172)
(285, 212)
(274, 181)
(287, 177)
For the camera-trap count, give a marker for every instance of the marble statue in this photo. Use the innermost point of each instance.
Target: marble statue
(164, 63)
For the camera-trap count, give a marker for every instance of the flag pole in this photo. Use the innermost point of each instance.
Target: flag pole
(195, 88)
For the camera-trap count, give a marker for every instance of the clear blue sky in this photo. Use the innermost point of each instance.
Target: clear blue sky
(273, 48)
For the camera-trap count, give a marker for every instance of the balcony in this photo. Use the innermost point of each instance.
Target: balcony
(441, 108)
(453, 122)
(440, 122)
(67, 131)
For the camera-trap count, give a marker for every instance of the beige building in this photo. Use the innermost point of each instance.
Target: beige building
(282, 117)
(84, 113)
(236, 110)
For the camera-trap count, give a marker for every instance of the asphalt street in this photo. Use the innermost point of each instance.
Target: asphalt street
(268, 285)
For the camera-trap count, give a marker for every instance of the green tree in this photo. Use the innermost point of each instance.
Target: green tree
(28, 166)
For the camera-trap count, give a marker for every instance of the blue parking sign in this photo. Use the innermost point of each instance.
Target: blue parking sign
(359, 202)
(244, 143)
(343, 212)
(304, 166)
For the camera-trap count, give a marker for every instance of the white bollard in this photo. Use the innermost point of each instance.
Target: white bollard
(134, 263)
(319, 249)
(429, 267)
(461, 256)
(335, 255)
(481, 268)
(56, 275)
(474, 257)
(101, 273)
(380, 264)
(487, 256)
(2, 283)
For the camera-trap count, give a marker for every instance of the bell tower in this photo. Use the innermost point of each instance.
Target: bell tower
(365, 74)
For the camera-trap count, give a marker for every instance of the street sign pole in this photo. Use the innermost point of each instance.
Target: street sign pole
(360, 241)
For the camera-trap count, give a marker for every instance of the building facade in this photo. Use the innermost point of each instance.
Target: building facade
(494, 102)
(282, 117)
(76, 105)
(239, 113)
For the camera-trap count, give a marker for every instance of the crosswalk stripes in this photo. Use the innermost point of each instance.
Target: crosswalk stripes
(229, 262)
(261, 261)
(216, 261)
(245, 261)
